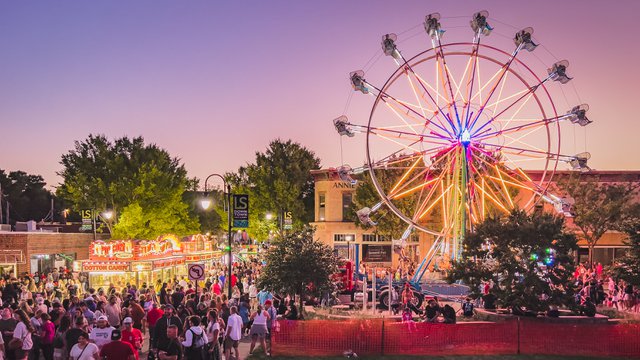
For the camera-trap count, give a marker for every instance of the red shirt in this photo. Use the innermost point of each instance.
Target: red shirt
(133, 337)
(216, 289)
(234, 280)
(154, 315)
(117, 350)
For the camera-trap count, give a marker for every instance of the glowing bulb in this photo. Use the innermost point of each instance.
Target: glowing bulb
(465, 137)
(205, 203)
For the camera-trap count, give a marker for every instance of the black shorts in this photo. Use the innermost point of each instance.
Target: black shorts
(229, 343)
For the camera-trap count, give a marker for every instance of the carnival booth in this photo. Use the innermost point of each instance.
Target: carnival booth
(122, 262)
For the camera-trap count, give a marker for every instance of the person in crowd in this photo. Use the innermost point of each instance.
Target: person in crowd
(448, 314)
(233, 334)
(195, 340)
(47, 334)
(173, 349)
(22, 342)
(214, 334)
(84, 350)
(113, 311)
(117, 349)
(132, 336)
(167, 319)
(259, 329)
(432, 311)
(152, 317)
(467, 308)
(292, 311)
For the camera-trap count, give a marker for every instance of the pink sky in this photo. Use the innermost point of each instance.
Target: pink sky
(214, 83)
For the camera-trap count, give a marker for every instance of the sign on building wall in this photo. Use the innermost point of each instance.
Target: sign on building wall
(376, 253)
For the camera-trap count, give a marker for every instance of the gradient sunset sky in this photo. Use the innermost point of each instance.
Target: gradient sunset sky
(214, 82)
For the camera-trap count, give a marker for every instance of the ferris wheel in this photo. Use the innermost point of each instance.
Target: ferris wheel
(451, 129)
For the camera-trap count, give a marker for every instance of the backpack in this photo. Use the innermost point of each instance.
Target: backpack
(194, 352)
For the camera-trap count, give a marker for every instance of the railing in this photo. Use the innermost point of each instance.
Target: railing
(520, 336)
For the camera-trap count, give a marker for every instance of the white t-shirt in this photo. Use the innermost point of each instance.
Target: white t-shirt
(235, 322)
(89, 352)
(101, 336)
(23, 334)
(213, 326)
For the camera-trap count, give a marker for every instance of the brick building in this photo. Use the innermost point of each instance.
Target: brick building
(22, 252)
(335, 224)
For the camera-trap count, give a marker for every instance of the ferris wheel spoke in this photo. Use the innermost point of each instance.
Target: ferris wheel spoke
(474, 55)
(503, 71)
(499, 193)
(515, 129)
(394, 159)
(443, 63)
(431, 139)
(434, 101)
(423, 119)
(396, 190)
(509, 177)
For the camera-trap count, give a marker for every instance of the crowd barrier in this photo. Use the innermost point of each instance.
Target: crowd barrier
(316, 338)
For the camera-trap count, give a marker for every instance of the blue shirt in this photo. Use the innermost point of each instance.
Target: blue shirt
(263, 296)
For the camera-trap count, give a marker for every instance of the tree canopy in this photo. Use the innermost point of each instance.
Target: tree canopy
(296, 261)
(599, 206)
(140, 182)
(26, 195)
(628, 267)
(279, 180)
(527, 258)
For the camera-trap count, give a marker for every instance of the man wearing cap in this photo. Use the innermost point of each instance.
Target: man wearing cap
(132, 335)
(101, 334)
(168, 318)
(116, 349)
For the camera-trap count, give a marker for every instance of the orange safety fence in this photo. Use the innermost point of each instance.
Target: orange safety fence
(619, 340)
(327, 337)
(447, 339)
(387, 337)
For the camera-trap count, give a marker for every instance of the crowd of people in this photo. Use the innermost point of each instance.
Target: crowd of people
(59, 317)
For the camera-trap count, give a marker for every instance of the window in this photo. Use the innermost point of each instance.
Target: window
(344, 237)
(369, 237)
(347, 211)
(321, 206)
(384, 238)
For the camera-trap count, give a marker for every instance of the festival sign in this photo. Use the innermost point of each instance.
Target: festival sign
(105, 266)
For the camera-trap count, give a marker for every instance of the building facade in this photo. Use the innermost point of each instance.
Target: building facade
(336, 225)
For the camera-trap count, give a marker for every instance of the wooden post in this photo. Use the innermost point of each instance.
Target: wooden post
(373, 290)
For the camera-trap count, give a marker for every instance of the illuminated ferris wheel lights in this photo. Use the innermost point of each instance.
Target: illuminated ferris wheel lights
(523, 39)
(558, 72)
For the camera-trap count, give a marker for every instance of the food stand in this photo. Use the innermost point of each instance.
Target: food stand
(122, 262)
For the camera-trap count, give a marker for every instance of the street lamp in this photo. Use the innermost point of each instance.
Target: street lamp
(107, 214)
(205, 203)
(269, 216)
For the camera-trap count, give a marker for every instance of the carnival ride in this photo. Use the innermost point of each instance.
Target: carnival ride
(453, 126)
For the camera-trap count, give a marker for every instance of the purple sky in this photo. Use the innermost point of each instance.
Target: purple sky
(214, 82)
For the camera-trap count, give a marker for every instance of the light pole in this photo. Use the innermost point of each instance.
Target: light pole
(205, 203)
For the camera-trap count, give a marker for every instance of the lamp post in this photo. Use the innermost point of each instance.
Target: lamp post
(205, 203)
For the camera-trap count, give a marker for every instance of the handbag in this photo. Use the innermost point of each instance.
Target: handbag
(15, 344)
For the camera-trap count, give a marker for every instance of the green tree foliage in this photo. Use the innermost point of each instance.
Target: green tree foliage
(297, 262)
(511, 252)
(140, 182)
(367, 196)
(599, 206)
(628, 267)
(279, 180)
(26, 195)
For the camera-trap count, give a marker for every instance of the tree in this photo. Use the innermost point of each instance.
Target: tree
(524, 256)
(26, 195)
(280, 180)
(140, 182)
(295, 261)
(599, 207)
(366, 196)
(628, 267)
